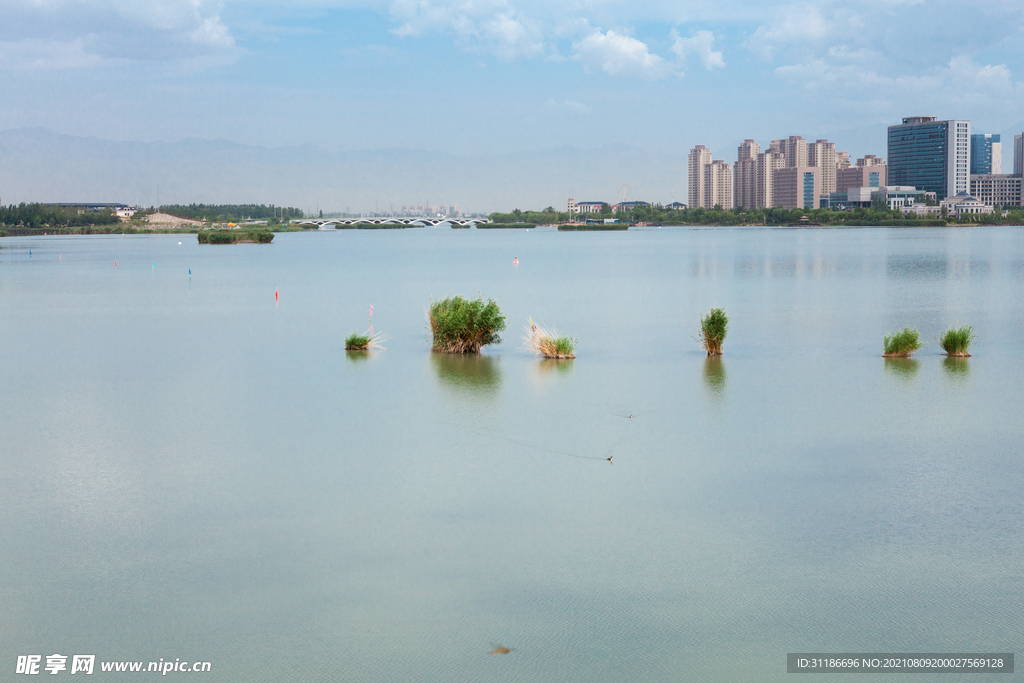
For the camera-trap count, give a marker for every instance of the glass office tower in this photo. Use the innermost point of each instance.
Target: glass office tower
(985, 154)
(931, 155)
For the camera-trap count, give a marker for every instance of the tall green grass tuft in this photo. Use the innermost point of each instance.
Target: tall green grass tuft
(461, 325)
(713, 328)
(901, 344)
(548, 343)
(957, 341)
(363, 342)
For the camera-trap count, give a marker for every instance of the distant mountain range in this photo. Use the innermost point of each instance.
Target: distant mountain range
(38, 164)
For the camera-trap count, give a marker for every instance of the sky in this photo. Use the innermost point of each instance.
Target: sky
(485, 77)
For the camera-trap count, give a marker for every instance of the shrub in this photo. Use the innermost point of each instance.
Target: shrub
(459, 325)
(957, 341)
(549, 344)
(901, 344)
(713, 328)
(362, 342)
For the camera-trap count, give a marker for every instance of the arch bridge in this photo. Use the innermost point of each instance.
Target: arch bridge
(322, 222)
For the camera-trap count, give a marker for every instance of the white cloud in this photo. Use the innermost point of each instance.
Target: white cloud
(701, 44)
(567, 106)
(33, 55)
(86, 33)
(795, 24)
(487, 25)
(620, 55)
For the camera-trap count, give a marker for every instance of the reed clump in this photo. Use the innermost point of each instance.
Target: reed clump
(460, 325)
(957, 341)
(362, 341)
(549, 344)
(901, 344)
(713, 328)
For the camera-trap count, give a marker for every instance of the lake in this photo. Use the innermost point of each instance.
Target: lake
(194, 469)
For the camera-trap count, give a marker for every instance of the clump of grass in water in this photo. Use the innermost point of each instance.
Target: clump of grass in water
(957, 341)
(549, 344)
(713, 328)
(459, 325)
(901, 344)
(362, 342)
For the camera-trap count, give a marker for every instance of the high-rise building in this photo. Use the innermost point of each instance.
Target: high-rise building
(822, 155)
(700, 156)
(1018, 154)
(842, 160)
(795, 149)
(764, 177)
(744, 177)
(870, 171)
(718, 185)
(931, 155)
(986, 154)
(796, 187)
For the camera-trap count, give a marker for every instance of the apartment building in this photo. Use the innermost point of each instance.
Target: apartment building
(796, 187)
(700, 156)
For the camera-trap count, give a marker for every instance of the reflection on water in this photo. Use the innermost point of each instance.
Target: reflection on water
(562, 366)
(956, 368)
(714, 376)
(902, 368)
(357, 356)
(471, 373)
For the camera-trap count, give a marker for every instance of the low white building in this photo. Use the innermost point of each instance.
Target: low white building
(919, 209)
(584, 207)
(998, 189)
(124, 212)
(963, 204)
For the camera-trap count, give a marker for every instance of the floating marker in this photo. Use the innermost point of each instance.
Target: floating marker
(275, 295)
(179, 242)
(190, 272)
(515, 261)
(154, 264)
(115, 263)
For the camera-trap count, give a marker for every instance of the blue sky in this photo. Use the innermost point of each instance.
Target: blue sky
(492, 76)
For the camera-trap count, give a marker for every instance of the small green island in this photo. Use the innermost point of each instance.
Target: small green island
(236, 236)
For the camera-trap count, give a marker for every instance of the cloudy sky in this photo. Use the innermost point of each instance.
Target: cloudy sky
(495, 76)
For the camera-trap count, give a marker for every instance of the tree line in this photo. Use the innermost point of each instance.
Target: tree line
(232, 213)
(43, 215)
(656, 214)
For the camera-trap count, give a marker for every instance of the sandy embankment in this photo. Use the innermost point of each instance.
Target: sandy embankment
(166, 220)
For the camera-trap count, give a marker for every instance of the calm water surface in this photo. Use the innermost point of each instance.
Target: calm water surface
(191, 469)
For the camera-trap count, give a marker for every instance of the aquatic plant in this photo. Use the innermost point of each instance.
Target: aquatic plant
(461, 325)
(713, 328)
(549, 344)
(957, 341)
(362, 342)
(234, 236)
(901, 344)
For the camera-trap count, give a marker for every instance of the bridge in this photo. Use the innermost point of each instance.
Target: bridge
(323, 222)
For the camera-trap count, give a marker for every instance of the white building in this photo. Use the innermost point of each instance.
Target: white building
(962, 204)
(997, 189)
